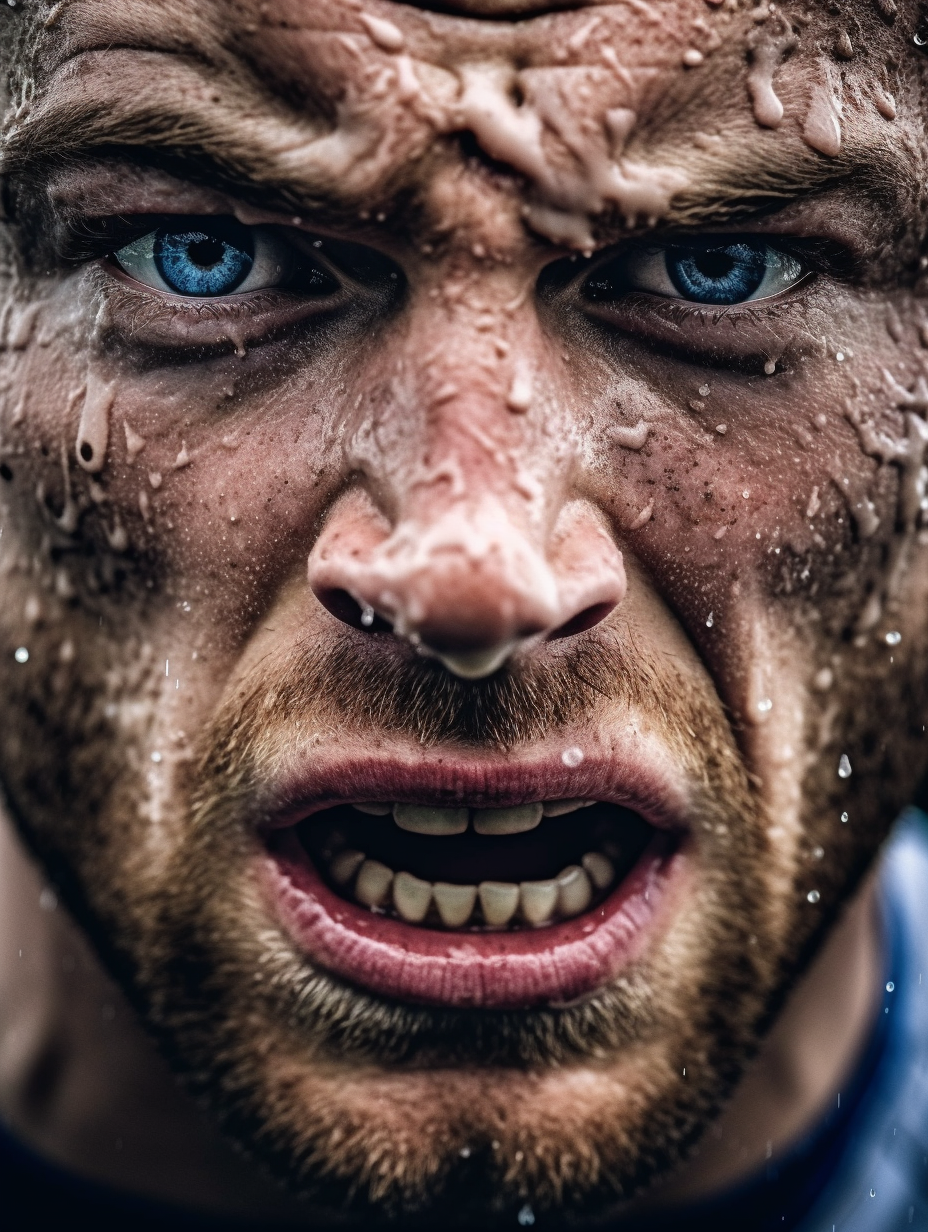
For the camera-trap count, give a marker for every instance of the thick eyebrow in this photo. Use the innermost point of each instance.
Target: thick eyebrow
(248, 142)
(255, 145)
(722, 191)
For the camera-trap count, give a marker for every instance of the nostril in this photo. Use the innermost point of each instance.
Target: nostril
(586, 619)
(345, 607)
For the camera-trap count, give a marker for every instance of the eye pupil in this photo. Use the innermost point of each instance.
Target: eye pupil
(714, 265)
(206, 252)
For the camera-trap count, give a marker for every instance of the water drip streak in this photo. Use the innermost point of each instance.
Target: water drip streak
(94, 428)
(769, 45)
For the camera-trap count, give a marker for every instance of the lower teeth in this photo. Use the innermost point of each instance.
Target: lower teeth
(492, 903)
(487, 904)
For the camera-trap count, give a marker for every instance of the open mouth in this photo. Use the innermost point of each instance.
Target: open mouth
(476, 869)
(483, 899)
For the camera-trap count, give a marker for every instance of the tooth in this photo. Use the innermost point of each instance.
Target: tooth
(556, 808)
(423, 819)
(573, 890)
(538, 899)
(411, 897)
(600, 869)
(373, 885)
(507, 820)
(345, 865)
(375, 808)
(454, 902)
(499, 900)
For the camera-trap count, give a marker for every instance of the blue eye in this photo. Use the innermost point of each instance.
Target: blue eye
(202, 264)
(204, 258)
(728, 275)
(720, 273)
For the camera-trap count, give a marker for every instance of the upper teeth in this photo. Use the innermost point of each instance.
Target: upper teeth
(428, 819)
(507, 820)
(423, 819)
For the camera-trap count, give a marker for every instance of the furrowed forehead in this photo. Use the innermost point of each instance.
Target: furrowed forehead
(598, 111)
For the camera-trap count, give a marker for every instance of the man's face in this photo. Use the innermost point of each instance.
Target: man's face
(415, 424)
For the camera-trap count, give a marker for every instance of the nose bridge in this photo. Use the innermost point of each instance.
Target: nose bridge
(465, 554)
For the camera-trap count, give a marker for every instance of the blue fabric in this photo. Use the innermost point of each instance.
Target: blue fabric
(879, 1182)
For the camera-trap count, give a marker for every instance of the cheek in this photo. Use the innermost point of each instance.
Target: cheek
(202, 484)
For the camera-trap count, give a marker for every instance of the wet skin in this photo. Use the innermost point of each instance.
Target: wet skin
(474, 416)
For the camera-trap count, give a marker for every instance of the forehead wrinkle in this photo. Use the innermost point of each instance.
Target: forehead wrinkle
(184, 104)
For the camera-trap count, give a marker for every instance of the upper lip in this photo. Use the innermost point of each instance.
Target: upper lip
(636, 772)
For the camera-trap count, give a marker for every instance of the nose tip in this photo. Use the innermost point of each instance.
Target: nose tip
(468, 587)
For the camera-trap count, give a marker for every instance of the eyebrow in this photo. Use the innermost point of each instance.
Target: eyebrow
(232, 146)
(186, 122)
(763, 180)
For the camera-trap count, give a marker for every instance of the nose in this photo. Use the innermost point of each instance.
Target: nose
(466, 579)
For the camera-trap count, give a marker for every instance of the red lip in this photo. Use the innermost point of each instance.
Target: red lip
(516, 969)
(635, 772)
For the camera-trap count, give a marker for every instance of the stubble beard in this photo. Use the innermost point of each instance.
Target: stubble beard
(387, 1108)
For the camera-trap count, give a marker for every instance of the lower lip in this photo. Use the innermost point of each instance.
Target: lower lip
(505, 970)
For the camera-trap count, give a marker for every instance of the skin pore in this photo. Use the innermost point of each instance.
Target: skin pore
(461, 486)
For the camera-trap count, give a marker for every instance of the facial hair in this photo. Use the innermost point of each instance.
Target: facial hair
(310, 1072)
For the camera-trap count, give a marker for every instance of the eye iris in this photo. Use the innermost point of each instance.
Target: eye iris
(726, 275)
(196, 263)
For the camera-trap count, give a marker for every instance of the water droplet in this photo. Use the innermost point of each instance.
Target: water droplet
(526, 1217)
(703, 391)
(893, 638)
(710, 620)
(464, 1152)
(818, 853)
(48, 899)
(746, 493)
(872, 1193)
(770, 367)
(764, 705)
(840, 357)
(21, 654)
(813, 896)
(844, 819)
(844, 767)
(572, 757)
(367, 616)
(890, 987)
(156, 757)
(919, 40)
